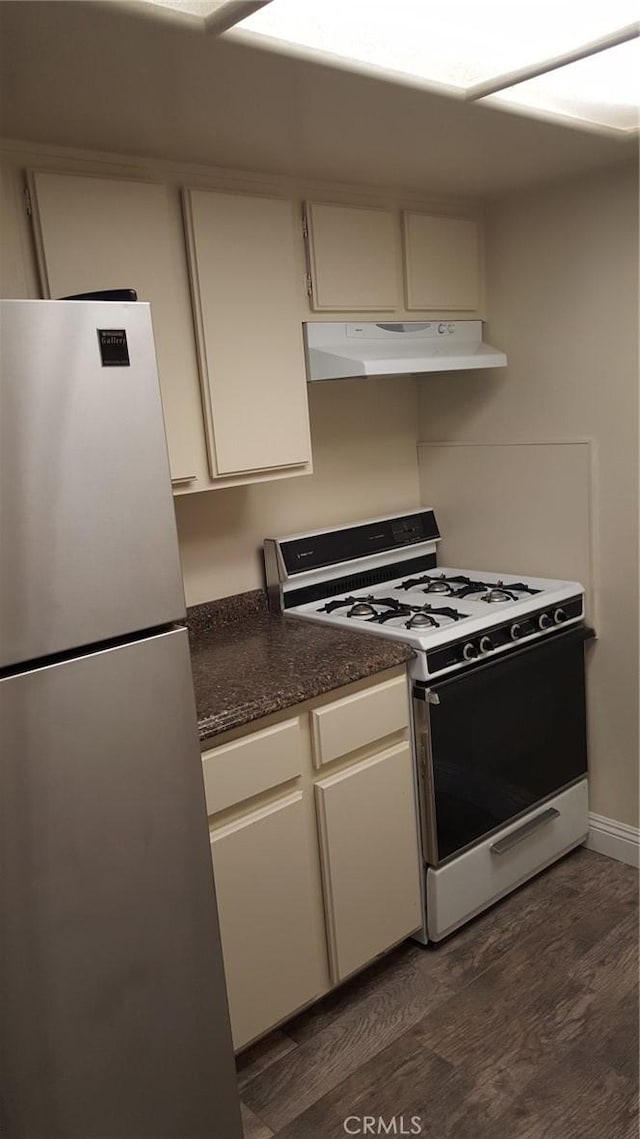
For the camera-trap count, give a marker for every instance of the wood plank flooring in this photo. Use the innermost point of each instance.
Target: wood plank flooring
(524, 1025)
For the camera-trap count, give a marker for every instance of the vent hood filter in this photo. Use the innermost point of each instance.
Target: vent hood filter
(341, 351)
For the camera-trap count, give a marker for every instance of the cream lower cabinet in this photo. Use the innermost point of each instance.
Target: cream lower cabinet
(266, 873)
(273, 961)
(315, 848)
(369, 853)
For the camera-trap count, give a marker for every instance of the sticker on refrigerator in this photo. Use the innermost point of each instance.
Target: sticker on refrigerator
(114, 350)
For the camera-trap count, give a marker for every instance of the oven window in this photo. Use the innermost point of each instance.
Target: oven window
(506, 735)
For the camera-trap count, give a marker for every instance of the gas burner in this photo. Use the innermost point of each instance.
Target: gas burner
(420, 616)
(421, 620)
(341, 602)
(493, 591)
(363, 607)
(363, 610)
(494, 595)
(439, 585)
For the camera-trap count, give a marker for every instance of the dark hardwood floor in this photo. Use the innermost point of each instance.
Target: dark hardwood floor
(523, 1025)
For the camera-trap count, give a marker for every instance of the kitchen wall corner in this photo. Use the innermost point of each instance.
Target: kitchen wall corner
(562, 287)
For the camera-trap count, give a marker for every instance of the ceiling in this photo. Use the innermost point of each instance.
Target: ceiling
(102, 77)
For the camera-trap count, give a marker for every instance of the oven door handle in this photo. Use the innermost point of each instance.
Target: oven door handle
(518, 835)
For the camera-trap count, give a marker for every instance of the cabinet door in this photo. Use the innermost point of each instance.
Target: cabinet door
(96, 234)
(245, 284)
(441, 262)
(272, 942)
(370, 862)
(353, 257)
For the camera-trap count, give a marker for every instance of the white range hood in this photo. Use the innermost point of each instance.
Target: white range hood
(340, 351)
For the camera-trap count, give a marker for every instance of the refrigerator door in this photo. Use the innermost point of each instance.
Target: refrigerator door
(88, 547)
(114, 1017)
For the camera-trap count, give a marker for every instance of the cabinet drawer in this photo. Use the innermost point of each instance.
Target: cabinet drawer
(359, 719)
(252, 764)
(476, 879)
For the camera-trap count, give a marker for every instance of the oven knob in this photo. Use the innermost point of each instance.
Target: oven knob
(559, 616)
(442, 328)
(516, 631)
(544, 621)
(469, 651)
(486, 644)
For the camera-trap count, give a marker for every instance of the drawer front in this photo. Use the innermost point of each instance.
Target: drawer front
(359, 719)
(480, 876)
(253, 764)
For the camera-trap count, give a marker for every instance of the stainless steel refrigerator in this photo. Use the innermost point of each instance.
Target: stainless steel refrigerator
(113, 1009)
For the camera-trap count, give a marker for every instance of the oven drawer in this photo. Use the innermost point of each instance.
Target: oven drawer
(359, 719)
(475, 879)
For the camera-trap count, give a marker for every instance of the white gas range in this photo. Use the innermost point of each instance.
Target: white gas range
(499, 726)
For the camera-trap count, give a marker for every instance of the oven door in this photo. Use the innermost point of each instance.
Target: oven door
(499, 739)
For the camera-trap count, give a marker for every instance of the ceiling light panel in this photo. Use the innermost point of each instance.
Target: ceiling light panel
(602, 89)
(201, 8)
(457, 43)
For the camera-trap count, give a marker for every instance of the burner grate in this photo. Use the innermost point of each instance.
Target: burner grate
(461, 586)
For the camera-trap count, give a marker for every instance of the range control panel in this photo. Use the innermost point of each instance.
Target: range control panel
(331, 547)
(479, 647)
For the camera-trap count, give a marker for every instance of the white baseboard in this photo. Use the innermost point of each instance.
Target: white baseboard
(616, 840)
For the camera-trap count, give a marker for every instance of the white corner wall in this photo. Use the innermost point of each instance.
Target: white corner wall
(562, 288)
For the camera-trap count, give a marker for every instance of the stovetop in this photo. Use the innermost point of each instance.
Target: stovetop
(431, 609)
(381, 576)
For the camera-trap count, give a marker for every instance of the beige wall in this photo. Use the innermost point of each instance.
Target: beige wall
(363, 435)
(563, 302)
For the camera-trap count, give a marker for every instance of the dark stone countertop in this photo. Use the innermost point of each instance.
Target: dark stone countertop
(247, 664)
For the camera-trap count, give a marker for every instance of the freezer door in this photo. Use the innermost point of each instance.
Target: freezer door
(114, 1017)
(88, 547)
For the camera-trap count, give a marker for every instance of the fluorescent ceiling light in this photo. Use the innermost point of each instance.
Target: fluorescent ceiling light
(213, 15)
(455, 45)
(201, 8)
(602, 89)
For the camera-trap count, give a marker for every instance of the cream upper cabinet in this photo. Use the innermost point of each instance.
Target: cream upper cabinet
(441, 262)
(274, 957)
(353, 257)
(99, 233)
(245, 282)
(369, 853)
